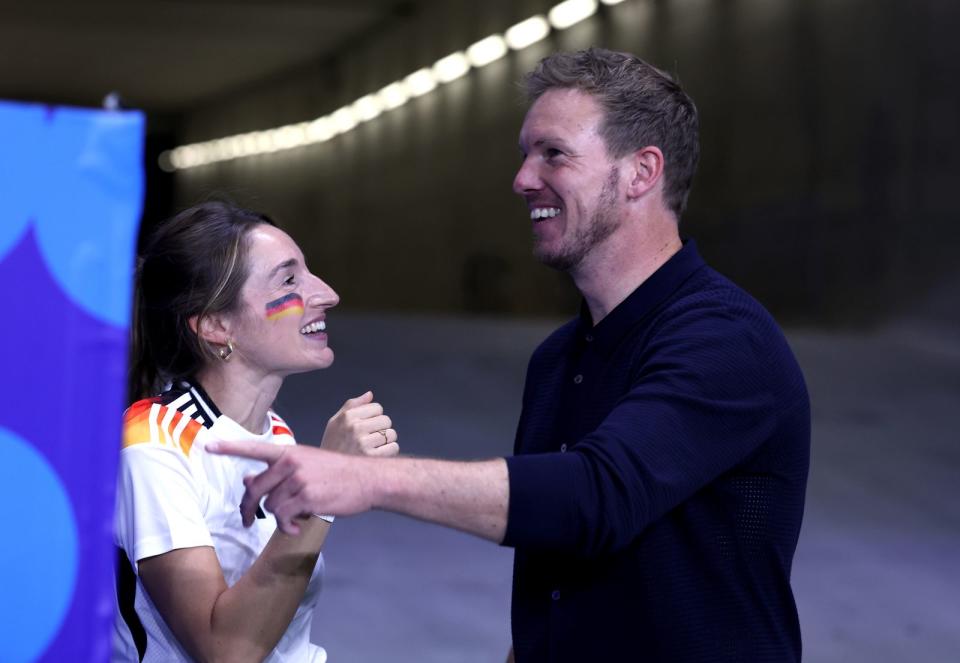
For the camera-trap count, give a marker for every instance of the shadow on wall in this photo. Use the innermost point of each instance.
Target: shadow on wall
(485, 283)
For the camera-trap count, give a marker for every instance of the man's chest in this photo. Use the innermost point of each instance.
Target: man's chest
(569, 399)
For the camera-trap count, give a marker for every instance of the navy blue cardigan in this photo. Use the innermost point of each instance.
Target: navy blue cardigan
(657, 488)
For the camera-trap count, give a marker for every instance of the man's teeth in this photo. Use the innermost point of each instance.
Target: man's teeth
(313, 327)
(544, 213)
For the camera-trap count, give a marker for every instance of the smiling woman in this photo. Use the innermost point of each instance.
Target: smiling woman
(226, 309)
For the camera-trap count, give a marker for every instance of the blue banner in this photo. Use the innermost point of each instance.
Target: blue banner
(71, 192)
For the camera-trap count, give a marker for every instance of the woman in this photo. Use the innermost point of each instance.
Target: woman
(226, 309)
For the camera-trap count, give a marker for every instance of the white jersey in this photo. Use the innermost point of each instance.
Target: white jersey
(172, 494)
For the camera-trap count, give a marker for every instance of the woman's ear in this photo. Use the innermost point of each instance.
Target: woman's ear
(211, 328)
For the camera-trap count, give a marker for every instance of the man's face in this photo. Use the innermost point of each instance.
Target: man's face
(569, 181)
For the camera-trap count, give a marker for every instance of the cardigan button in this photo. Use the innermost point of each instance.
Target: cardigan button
(588, 338)
(563, 447)
(577, 379)
(555, 595)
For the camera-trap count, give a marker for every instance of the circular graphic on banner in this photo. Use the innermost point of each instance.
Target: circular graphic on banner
(21, 130)
(38, 561)
(87, 231)
(76, 175)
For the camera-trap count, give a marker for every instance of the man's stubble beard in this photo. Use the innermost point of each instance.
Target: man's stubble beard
(602, 224)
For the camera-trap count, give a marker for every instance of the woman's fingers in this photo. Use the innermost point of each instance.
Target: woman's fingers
(366, 397)
(364, 411)
(389, 449)
(374, 442)
(374, 424)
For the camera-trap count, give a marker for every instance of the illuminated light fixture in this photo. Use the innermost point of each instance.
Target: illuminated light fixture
(487, 50)
(447, 69)
(210, 150)
(527, 32)
(451, 67)
(202, 154)
(175, 158)
(165, 161)
(220, 149)
(420, 82)
(264, 141)
(274, 135)
(343, 119)
(290, 136)
(366, 108)
(248, 143)
(233, 147)
(394, 95)
(194, 155)
(571, 12)
(321, 129)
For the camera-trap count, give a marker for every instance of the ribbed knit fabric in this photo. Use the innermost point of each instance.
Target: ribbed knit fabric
(658, 484)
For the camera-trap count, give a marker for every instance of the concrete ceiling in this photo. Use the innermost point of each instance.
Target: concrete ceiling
(169, 55)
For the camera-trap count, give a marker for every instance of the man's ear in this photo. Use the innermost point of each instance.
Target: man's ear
(212, 328)
(644, 171)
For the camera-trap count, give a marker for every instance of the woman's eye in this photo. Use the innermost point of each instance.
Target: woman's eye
(289, 280)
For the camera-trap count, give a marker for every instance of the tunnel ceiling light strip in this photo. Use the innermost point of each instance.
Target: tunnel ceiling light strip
(366, 108)
(452, 67)
(571, 12)
(420, 82)
(527, 32)
(487, 50)
(396, 94)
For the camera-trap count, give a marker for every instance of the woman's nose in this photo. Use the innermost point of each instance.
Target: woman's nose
(323, 295)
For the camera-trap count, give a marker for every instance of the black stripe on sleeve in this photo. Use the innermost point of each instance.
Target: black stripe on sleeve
(126, 595)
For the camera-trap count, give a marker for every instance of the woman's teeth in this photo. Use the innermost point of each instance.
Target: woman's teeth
(314, 327)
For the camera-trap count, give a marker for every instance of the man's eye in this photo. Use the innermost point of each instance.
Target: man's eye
(552, 153)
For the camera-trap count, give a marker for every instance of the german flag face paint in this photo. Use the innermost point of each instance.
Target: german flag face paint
(291, 304)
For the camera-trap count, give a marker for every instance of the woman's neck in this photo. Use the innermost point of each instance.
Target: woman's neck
(242, 397)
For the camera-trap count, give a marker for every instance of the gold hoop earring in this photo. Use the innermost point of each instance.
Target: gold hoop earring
(225, 351)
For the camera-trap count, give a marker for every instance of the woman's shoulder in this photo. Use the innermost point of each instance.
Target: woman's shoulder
(174, 420)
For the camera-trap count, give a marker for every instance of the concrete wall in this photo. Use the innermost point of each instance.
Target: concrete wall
(831, 154)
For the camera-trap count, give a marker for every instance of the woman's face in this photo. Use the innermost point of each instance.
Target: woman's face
(280, 326)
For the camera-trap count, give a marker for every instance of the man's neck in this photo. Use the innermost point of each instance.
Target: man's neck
(239, 394)
(614, 270)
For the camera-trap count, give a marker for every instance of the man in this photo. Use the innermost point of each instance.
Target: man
(657, 490)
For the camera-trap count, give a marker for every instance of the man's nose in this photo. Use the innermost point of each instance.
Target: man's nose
(526, 179)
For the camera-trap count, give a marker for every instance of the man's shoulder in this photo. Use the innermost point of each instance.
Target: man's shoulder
(713, 320)
(710, 296)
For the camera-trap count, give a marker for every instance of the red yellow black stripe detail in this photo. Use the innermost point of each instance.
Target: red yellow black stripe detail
(286, 305)
(136, 422)
(137, 429)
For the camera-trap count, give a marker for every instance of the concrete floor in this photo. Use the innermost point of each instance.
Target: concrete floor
(876, 573)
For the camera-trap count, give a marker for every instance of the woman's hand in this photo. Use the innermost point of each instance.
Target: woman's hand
(360, 427)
